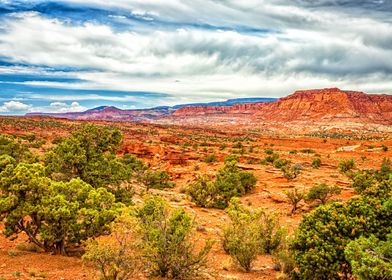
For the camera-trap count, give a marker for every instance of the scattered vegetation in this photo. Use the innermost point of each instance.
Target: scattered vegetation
(250, 233)
(322, 193)
(230, 182)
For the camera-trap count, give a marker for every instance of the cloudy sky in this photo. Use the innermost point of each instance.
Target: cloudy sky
(58, 56)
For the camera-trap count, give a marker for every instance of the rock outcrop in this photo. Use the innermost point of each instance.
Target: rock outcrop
(325, 105)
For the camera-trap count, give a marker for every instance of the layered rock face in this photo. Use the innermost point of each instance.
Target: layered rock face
(323, 105)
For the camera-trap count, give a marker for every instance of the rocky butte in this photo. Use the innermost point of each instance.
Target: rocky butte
(329, 106)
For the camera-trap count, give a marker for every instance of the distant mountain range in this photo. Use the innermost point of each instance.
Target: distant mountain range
(111, 113)
(329, 107)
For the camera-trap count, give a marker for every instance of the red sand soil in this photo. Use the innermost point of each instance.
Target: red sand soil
(172, 148)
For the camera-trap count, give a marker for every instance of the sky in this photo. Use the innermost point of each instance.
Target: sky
(69, 56)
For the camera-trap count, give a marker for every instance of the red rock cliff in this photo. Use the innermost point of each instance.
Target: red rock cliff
(322, 104)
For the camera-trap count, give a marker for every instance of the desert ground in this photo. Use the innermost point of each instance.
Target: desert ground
(181, 151)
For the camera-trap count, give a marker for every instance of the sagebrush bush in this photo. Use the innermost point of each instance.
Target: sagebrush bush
(346, 165)
(241, 238)
(167, 244)
(250, 233)
(117, 256)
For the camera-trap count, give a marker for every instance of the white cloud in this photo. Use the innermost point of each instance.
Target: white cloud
(59, 107)
(311, 48)
(14, 107)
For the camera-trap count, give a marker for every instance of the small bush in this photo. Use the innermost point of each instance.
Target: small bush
(209, 158)
(250, 233)
(116, 256)
(292, 172)
(230, 182)
(308, 151)
(293, 152)
(294, 197)
(269, 151)
(316, 163)
(155, 180)
(242, 236)
(167, 245)
(384, 148)
(279, 163)
(346, 165)
(322, 192)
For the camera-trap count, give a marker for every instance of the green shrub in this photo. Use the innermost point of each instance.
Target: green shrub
(308, 151)
(384, 148)
(279, 163)
(18, 151)
(209, 158)
(370, 258)
(230, 182)
(271, 158)
(116, 256)
(291, 172)
(90, 154)
(293, 152)
(54, 215)
(168, 248)
(269, 151)
(346, 165)
(271, 233)
(294, 197)
(322, 193)
(324, 234)
(250, 233)
(242, 236)
(316, 163)
(155, 180)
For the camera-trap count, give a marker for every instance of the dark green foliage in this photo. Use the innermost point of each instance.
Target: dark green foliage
(363, 180)
(230, 182)
(269, 151)
(54, 215)
(271, 233)
(155, 180)
(323, 234)
(316, 163)
(322, 193)
(281, 163)
(271, 158)
(346, 165)
(166, 241)
(293, 152)
(238, 145)
(384, 148)
(18, 151)
(89, 154)
(370, 258)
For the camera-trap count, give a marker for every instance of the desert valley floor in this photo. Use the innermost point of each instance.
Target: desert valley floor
(181, 151)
